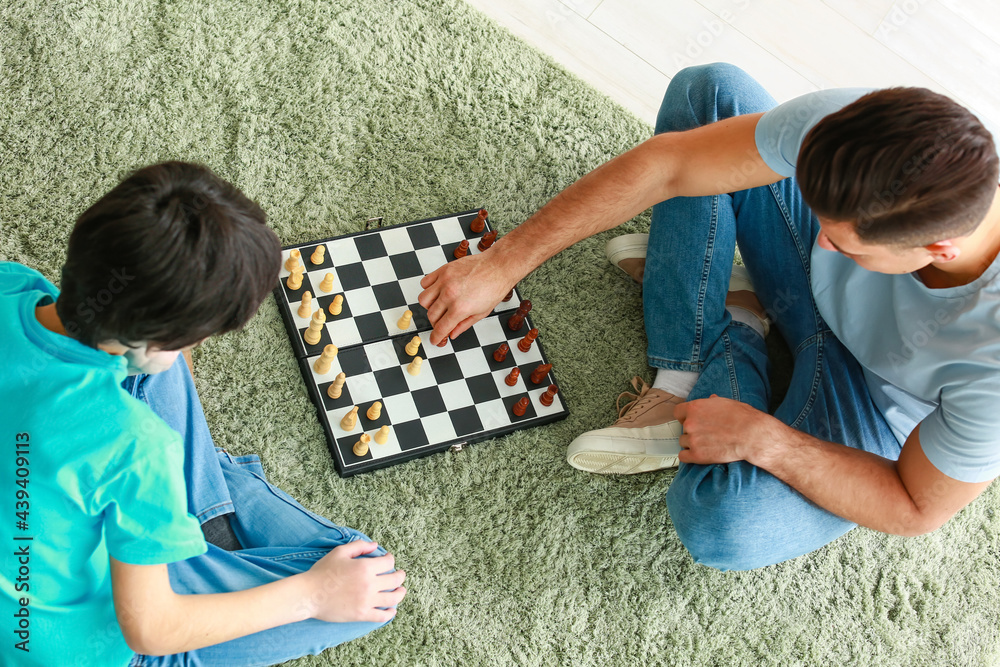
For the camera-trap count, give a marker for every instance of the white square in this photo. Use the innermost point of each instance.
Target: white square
(400, 408)
(381, 355)
(343, 332)
(433, 351)
(363, 388)
(500, 378)
(532, 356)
(472, 362)
(489, 331)
(422, 381)
(397, 241)
(361, 301)
(392, 317)
(411, 288)
(545, 410)
(449, 230)
(343, 252)
(431, 258)
(456, 394)
(324, 377)
(512, 304)
(439, 427)
(493, 414)
(379, 270)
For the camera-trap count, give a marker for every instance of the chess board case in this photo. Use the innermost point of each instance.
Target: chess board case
(459, 397)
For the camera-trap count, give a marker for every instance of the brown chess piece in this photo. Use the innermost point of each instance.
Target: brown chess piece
(547, 397)
(541, 370)
(511, 378)
(501, 353)
(526, 342)
(517, 319)
(462, 250)
(479, 224)
(521, 406)
(487, 240)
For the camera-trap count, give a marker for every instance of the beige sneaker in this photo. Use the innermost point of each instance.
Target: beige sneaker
(628, 253)
(645, 437)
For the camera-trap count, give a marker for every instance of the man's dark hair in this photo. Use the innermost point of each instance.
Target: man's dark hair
(907, 166)
(170, 256)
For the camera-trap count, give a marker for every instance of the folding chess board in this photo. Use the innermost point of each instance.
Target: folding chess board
(460, 395)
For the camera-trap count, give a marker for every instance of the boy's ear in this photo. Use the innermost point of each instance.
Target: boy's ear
(944, 251)
(113, 347)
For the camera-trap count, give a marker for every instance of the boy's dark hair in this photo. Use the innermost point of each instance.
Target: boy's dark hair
(907, 166)
(170, 256)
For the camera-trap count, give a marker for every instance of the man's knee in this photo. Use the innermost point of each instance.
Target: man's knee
(701, 94)
(738, 517)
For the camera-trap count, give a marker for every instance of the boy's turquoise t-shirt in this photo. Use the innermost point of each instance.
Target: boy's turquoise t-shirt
(88, 471)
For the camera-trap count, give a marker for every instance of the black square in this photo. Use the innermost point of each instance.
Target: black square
(467, 340)
(389, 295)
(353, 361)
(495, 365)
(295, 295)
(370, 246)
(411, 435)
(391, 381)
(428, 401)
(399, 344)
(371, 326)
(406, 265)
(342, 401)
(526, 371)
(324, 340)
(307, 262)
(372, 424)
(509, 402)
(420, 319)
(423, 236)
(466, 421)
(520, 333)
(449, 250)
(466, 221)
(346, 447)
(345, 308)
(483, 388)
(353, 276)
(446, 368)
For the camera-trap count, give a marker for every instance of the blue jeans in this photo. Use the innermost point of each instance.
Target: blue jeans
(738, 516)
(279, 536)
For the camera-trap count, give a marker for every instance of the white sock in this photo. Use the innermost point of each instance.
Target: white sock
(678, 383)
(744, 316)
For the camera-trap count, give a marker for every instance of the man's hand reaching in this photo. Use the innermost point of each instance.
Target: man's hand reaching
(460, 293)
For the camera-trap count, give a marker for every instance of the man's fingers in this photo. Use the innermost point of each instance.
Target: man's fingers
(390, 581)
(464, 325)
(391, 598)
(431, 277)
(681, 412)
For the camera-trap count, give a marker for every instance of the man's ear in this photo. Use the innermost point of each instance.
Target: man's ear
(944, 251)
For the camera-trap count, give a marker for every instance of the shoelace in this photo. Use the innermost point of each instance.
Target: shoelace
(640, 387)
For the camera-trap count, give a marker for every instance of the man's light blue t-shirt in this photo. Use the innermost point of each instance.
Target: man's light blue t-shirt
(931, 356)
(89, 472)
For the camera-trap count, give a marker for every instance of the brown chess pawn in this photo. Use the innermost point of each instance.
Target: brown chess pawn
(526, 342)
(521, 406)
(479, 224)
(541, 370)
(548, 395)
(511, 378)
(462, 250)
(501, 353)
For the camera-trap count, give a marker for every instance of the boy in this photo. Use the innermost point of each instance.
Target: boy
(877, 263)
(136, 542)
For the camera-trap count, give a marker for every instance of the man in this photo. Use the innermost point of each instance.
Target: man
(869, 224)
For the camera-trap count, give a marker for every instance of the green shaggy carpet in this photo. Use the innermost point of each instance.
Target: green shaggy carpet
(328, 112)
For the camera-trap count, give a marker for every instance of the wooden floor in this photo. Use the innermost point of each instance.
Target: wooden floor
(630, 48)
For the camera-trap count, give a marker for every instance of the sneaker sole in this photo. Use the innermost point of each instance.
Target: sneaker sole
(590, 452)
(627, 246)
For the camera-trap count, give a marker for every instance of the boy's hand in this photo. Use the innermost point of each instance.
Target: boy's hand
(460, 293)
(344, 587)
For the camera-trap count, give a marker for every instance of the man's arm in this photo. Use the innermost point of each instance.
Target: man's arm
(340, 587)
(905, 497)
(714, 159)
